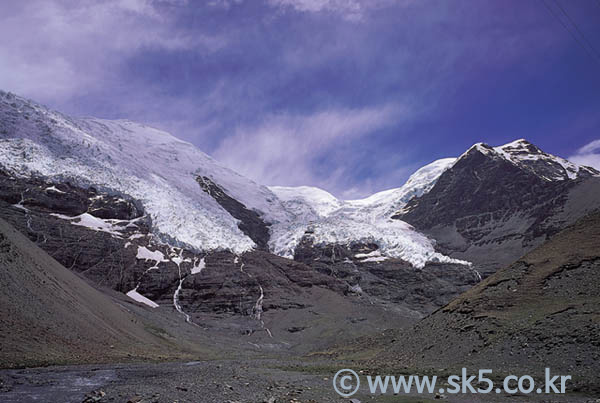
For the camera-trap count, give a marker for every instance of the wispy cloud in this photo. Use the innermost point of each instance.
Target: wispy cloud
(320, 83)
(352, 10)
(289, 149)
(59, 48)
(588, 155)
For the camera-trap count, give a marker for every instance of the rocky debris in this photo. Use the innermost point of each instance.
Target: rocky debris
(94, 396)
(251, 224)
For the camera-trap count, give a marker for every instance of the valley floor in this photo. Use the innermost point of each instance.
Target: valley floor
(253, 380)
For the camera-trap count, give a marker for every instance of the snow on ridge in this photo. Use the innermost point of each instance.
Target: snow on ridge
(160, 171)
(366, 220)
(148, 164)
(320, 202)
(324, 204)
(521, 150)
(417, 184)
(523, 153)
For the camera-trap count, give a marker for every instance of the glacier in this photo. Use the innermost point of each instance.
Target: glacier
(160, 171)
(147, 164)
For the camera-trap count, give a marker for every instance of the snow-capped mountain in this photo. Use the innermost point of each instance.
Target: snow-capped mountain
(332, 221)
(147, 164)
(496, 203)
(196, 202)
(139, 211)
(188, 195)
(527, 156)
(310, 203)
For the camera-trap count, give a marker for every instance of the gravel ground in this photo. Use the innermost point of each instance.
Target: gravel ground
(226, 381)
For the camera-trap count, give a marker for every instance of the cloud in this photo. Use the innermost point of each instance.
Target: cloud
(352, 10)
(297, 150)
(225, 4)
(60, 48)
(588, 155)
(233, 73)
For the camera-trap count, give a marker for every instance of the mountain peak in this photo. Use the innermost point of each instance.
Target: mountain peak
(530, 157)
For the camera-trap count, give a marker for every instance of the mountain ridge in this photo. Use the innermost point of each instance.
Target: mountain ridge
(491, 206)
(162, 172)
(138, 211)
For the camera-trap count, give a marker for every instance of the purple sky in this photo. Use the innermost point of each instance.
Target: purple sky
(348, 95)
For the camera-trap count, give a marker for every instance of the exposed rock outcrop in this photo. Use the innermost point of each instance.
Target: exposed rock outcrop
(250, 223)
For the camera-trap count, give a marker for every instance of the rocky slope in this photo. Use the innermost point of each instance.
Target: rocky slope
(49, 314)
(259, 299)
(142, 213)
(541, 311)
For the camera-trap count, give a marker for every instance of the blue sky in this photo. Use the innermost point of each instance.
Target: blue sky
(348, 95)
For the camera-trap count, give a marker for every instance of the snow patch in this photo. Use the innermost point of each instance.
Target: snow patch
(146, 254)
(366, 255)
(89, 221)
(54, 189)
(134, 294)
(197, 268)
(374, 256)
(376, 259)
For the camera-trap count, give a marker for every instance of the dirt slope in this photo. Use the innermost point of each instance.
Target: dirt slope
(50, 315)
(541, 311)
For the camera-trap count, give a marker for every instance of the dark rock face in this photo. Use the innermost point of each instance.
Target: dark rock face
(478, 186)
(250, 222)
(232, 284)
(390, 282)
(490, 211)
(257, 296)
(64, 198)
(114, 208)
(101, 256)
(108, 239)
